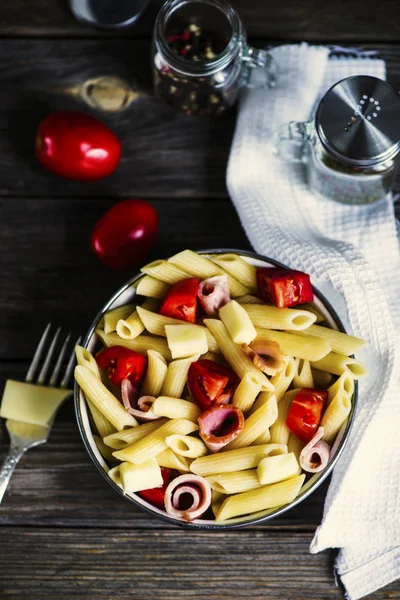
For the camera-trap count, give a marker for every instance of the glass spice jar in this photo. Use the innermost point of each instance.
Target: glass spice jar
(351, 147)
(201, 58)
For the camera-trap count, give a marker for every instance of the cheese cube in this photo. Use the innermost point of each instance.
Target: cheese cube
(35, 404)
(186, 340)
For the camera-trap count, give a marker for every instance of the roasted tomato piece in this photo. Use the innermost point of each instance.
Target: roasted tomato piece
(180, 301)
(305, 413)
(156, 495)
(122, 363)
(210, 383)
(284, 287)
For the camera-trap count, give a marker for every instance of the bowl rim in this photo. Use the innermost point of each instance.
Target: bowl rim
(211, 526)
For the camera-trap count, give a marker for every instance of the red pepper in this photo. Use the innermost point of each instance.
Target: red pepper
(156, 495)
(284, 287)
(180, 301)
(305, 413)
(122, 363)
(210, 383)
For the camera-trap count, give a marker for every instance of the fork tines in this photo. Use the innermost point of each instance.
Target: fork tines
(50, 353)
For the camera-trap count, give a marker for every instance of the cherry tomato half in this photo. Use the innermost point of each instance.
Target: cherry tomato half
(125, 234)
(284, 287)
(122, 363)
(77, 146)
(305, 413)
(156, 495)
(210, 383)
(180, 301)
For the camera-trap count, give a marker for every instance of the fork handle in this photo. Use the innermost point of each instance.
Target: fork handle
(14, 455)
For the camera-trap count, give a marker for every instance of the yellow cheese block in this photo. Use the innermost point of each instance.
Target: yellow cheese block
(186, 340)
(34, 404)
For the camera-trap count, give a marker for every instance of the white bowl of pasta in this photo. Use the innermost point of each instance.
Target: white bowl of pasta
(216, 389)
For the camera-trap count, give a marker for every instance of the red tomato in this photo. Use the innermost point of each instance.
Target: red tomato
(77, 146)
(122, 363)
(180, 301)
(125, 234)
(210, 383)
(156, 495)
(305, 413)
(284, 287)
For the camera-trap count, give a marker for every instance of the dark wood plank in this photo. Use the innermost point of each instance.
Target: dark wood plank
(296, 21)
(165, 153)
(96, 564)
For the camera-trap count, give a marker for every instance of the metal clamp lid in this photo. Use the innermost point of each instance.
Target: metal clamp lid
(358, 121)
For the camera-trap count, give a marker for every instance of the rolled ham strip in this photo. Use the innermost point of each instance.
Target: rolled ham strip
(219, 425)
(187, 497)
(213, 293)
(141, 408)
(266, 355)
(315, 456)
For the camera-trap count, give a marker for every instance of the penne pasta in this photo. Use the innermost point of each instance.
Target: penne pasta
(103, 425)
(170, 460)
(151, 287)
(338, 364)
(264, 438)
(104, 450)
(236, 266)
(268, 496)
(309, 307)
(196, 265)
(279, 430)
(344, 384)
(145, 476)
(115, 475)
(234, 355)
(341, 343)
(256, 424)
(246, 392)
(295, 445)
(112, 317)
(277, 468)
(156, 373)
(304, 377)
(271, 317)
(281, 382)
(164, 271)
(235, 460)
(235, 483)
(176, 408)
(97, 393)
(237, 322)
(154, 443)
(130, 327)
(248, 299)
(140, 344)
(176, 377)
(309, 348)
(122, 439)
(86, 359)
(321, 378)
(185, 445)
(335, 415)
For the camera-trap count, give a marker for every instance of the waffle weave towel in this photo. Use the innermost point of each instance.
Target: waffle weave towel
(352, 254)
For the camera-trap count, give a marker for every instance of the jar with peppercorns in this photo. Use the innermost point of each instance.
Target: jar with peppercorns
(201, 58)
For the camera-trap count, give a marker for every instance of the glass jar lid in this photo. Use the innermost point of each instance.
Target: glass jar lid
(358, 121)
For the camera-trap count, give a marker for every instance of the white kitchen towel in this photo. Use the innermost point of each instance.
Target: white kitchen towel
(352, 254)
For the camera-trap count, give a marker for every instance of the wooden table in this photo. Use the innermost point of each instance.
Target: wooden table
(65, 534)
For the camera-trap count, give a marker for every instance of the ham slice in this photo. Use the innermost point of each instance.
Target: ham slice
(315, 456)
(141, 408)
(197, 498)
(213, 293)
(219, 425)
(266, 355)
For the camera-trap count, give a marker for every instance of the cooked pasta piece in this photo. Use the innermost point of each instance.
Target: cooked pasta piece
(175, 408)
(264, 438)
(140, 344)
(321, 378)
(151, 287)
(256, 424)
(86, 359)
(176, 377)
(310, 307)
(248, 299)
(303, 377)
(154, 443)
(308, 348)
(103, 425)
(186, 340)
(97, 393)
(344, 384)
(236, 266)
(104, 450)
(130, 327)
(281, 382)
(170, 460)
(237, 322)
(341, 343)
(112, 317)
(277, 468)
(279, 430)
(156, 373)
(115, 475)
(246, 392)
(145, 476)
(235, 483)
(122, 439)
(268, 496)
(271, 317)
(164, 271)
(155, 323)
(197, 265)
(295, 445)
(334, 416)
(338, 364)
(234, 355)
(235, 460)
(185, 445)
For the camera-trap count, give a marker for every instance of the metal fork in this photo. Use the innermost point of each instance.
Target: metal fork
(24, 436)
